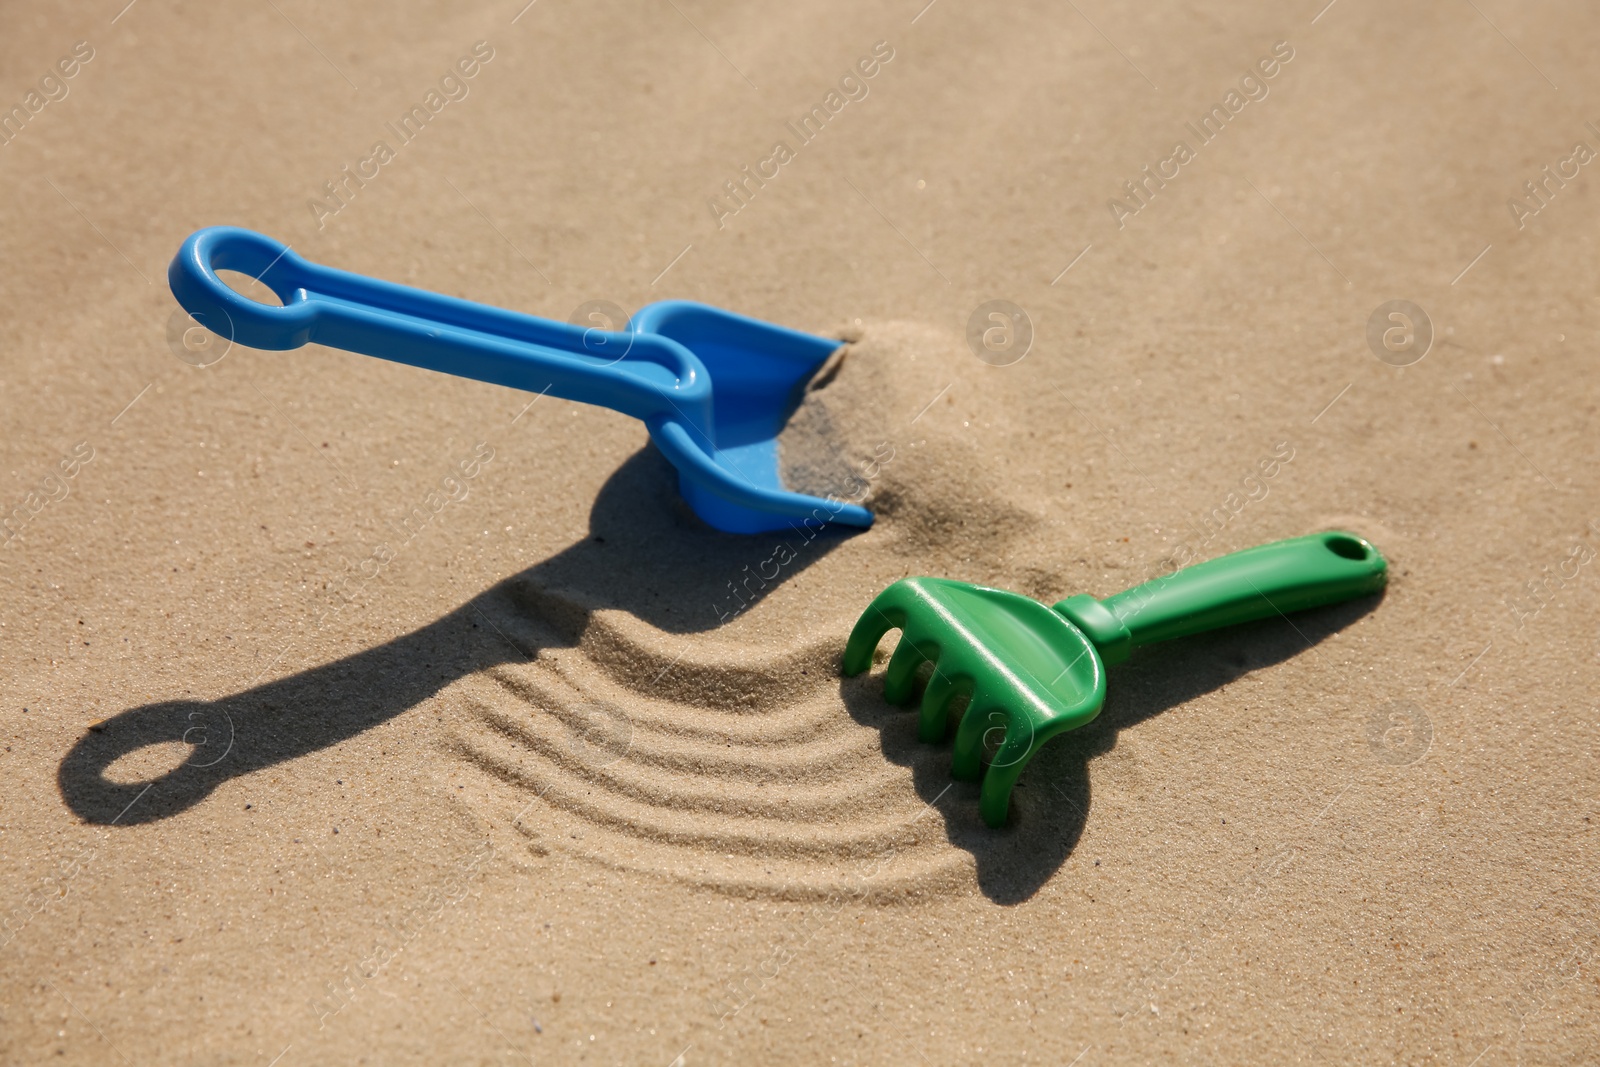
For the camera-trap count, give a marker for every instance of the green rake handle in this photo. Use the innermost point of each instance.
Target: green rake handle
(1257, 583)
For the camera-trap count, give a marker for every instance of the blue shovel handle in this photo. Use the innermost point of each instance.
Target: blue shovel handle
(643, 375)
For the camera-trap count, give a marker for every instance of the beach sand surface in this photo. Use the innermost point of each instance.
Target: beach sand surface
(356, 713)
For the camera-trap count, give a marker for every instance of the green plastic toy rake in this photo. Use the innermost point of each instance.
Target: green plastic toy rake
(1032, 672)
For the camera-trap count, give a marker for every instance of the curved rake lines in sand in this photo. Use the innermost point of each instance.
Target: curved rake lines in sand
(636, 658)
(899, 873)
(796, 801)
(662, 767)
(801, 724)
(636, 655)
(710, 825)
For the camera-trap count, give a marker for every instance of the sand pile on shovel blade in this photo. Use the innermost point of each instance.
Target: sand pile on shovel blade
(891, 421)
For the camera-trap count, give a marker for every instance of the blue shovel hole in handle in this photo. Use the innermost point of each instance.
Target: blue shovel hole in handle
(250, 288)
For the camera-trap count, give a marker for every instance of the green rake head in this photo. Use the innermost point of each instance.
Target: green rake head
(1031, 672)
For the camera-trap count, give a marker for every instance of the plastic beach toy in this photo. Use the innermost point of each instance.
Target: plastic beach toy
(712, 387)
(1033, 672)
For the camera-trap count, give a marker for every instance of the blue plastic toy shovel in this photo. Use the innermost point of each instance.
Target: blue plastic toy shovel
(713, 388)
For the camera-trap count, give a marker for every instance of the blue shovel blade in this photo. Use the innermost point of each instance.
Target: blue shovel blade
(759, 372)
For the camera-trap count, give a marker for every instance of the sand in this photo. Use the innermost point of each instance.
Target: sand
(320, 750)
